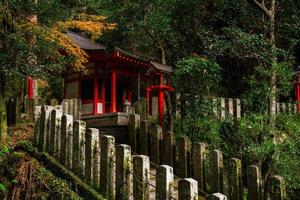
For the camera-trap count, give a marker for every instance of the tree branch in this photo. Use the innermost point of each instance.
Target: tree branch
(262, 6)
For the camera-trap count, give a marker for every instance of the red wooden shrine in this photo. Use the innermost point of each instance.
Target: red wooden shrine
(115, 78)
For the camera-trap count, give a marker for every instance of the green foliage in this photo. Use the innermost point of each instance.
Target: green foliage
(194, 102)
(2, 188)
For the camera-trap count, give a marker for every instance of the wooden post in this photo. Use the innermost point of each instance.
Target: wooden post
(79, 130)
(235, 179)
(141, 169)
(66, 136)
(108, 167)
(144, 137)
(187, 189)
(199, 164)
(216, 170)
(123, 175)
(169, 147)
(44, 127)
(164, 178)
(155, 136)
(276, 189)
(184, 147)
(133, 126)
(54, 145)
(254, 181)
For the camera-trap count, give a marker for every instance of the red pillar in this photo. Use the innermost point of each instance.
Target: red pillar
(30, 87)
(103, 96)
(95, 94)
(161, 104)
(148, 96)
(113, 91)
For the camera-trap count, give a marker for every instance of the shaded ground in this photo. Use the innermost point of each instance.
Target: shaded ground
(23, 177)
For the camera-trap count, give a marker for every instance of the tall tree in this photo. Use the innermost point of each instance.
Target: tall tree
(270, 14)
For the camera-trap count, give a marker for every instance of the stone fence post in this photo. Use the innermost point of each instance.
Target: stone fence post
(235, 179)
(91, 137)
(254, 181)
(199, 164)
(187, 189)
(169, 157)
(164, 178)
(184, 156)
(79, 130)
(66, 137)
(108, 167)
(123, 169)
(216, 171)
(144, 135)
(155, 136)
(133, 130)
(44, 127)
(275, 189)
(55, 136)
(141, 169)
(216, 196)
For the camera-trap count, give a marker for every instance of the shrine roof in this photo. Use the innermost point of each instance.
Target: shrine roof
(87, 44)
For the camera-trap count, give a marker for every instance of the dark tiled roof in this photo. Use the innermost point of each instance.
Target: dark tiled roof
(88, 44)
(160, 67)
(84, 42)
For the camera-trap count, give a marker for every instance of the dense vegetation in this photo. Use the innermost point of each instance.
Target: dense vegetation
(246, 48)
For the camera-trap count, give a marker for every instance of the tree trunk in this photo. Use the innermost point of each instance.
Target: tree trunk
(270, 13)
(272, 103)
(3, 118)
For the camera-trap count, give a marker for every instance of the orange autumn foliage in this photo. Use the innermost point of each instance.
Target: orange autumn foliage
(91, 25)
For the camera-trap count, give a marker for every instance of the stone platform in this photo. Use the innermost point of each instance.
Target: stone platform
(115, 124)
